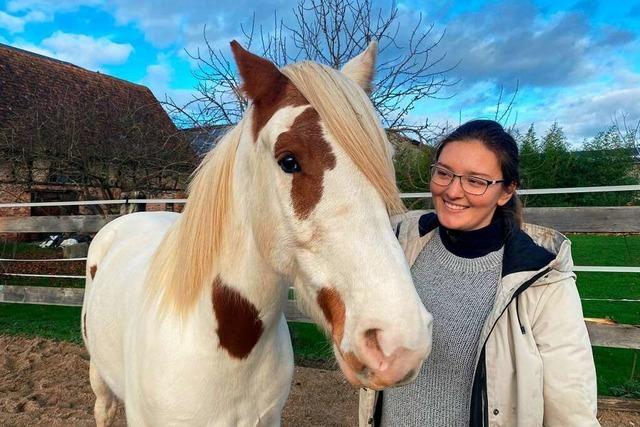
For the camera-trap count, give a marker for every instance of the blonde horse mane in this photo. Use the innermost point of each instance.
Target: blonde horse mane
(187, 257)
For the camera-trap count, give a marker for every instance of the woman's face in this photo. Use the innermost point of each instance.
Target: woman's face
(456, 209)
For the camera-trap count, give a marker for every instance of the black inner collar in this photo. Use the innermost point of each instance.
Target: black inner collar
(475, 243)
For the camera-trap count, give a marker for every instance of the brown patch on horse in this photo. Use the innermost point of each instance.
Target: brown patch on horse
(284, 94)
(352, 360)
(306, 142)
(265, 85)
(239, 324)
(92, 271)
(333, 308)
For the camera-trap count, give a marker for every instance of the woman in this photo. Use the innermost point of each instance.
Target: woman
(510, 346)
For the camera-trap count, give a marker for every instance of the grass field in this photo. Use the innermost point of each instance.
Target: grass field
(618, 369)
(611, 250)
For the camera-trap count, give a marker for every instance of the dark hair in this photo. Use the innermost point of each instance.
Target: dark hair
(496, 139)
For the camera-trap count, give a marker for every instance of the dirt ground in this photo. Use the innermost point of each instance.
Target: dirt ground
(45, 383)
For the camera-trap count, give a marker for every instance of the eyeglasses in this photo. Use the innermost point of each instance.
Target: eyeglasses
(470, 184)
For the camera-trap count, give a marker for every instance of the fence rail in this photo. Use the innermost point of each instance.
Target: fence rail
(569, 220)
(541, 191)
(524, 192)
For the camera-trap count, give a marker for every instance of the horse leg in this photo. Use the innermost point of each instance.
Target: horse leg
(104, 410)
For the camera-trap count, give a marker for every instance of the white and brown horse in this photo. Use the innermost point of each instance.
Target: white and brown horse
(183, 314)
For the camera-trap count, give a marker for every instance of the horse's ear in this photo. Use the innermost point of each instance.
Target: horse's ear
(362, 68)
(259, 76)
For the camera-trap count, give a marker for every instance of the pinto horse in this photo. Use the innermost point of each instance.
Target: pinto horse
(183, 313)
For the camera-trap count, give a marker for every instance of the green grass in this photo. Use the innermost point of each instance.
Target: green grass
(613, 249)
(617, 375)
(58, 323)
(31, 250)
(309, 343)
(608, 250)
(63, 324)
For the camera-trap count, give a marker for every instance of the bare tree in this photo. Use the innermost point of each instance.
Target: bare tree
(628, 131)
(329, 32)
(503, 112)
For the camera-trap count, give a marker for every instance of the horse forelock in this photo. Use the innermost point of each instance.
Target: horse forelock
(348, 115)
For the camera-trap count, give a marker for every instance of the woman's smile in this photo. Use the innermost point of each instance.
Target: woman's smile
(454, 207)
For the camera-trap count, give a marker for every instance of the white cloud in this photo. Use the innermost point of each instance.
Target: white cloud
(47, 8)
(513, 41)
(11, 23)
(159, 77)
(571, 70)
(584, 115)
(23, 12)
(16, 24)
(182, 22)
(82, 50)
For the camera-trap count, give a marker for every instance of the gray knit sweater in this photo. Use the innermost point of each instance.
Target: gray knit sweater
(459, 293)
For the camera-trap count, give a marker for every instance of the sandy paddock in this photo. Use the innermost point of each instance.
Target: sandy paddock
(46, 383)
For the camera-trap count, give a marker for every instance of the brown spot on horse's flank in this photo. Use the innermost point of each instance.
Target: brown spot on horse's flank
(307, 143)
(92, 271)
(239, 324)
(333, 308)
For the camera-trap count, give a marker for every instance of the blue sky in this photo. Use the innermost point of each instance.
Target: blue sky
(576, 62)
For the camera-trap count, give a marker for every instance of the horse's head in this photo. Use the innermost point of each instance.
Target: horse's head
(322, 186)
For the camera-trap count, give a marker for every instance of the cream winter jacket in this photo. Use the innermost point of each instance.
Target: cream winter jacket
(534, 362)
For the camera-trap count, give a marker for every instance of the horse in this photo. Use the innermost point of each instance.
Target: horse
(183, 313)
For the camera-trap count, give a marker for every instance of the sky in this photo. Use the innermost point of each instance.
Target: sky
(576, 62)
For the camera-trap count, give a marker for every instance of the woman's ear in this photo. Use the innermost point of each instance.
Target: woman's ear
(507, 193)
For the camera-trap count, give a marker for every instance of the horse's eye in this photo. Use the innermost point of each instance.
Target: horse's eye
(289, 164)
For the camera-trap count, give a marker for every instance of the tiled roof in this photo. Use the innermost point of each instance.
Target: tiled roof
(29, 82)
(204, 139)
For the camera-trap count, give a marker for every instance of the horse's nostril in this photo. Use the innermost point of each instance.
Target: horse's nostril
(371, 339)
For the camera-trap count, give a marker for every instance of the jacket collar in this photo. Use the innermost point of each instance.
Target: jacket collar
(530, 249)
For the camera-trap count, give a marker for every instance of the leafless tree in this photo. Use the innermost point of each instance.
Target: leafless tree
(628, 131)
(504, 111)
(329, 32)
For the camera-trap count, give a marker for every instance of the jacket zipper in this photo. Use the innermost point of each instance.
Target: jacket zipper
(483, 392)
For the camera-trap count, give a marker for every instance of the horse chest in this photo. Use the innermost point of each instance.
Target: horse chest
(204, 383)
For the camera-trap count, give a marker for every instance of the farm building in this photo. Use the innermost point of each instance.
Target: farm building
(67, 133)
